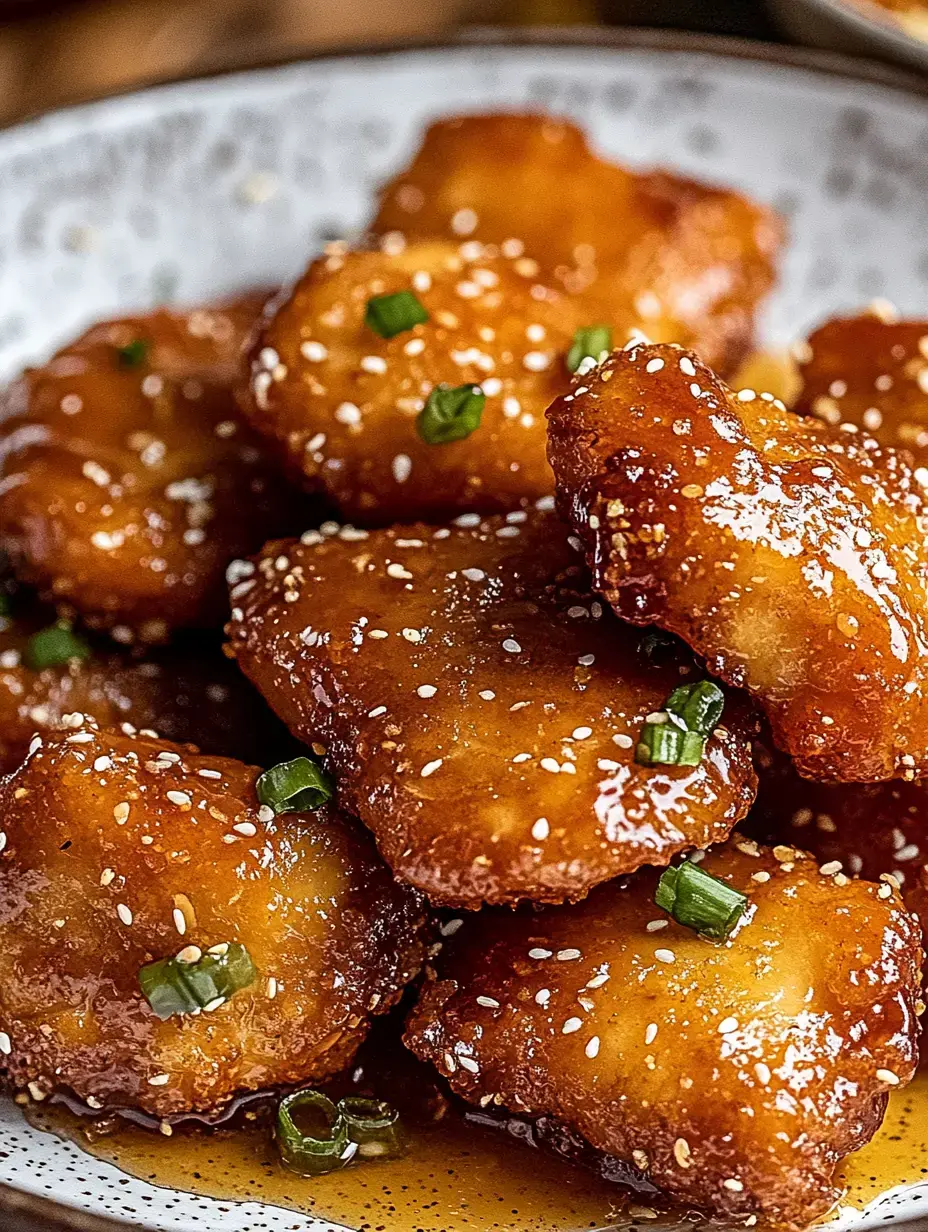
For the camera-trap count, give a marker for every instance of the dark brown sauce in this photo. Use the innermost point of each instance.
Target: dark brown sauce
(463, 1170)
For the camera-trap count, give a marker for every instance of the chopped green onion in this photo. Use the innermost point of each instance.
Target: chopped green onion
(296, 786)
(172, 986)
(54, 647)
(700, 901)
(374, 1125)
(324, 1145)
(676, 735)
(698, 705)
(389, 315)
(133, 354)
(591, 342)
(451, 414)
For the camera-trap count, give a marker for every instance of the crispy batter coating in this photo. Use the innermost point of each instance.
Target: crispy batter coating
(872, 373)
(480, 708)
(682, 261)
(870, 828)
(144, 849)
(128, 479)
(188, 692)
(791, 555)
(342, 401)
(734, 1076)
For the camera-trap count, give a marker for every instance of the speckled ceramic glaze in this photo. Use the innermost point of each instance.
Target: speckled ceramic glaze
(188, 191)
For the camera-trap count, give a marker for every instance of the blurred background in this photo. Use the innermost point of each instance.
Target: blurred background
(58, 51)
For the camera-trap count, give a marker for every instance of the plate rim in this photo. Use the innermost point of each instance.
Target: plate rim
(27, 1212)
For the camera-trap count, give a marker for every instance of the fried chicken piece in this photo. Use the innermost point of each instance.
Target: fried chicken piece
(682, 261)
(479, 707)
(128, 479)
(735, 1076)
(870, 829)
(119, 852)
(343, 402)
(872, 373)
(792, 556)
(186, 692)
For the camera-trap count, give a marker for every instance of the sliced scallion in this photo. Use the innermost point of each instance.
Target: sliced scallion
(133, 354)
(55, 647)
(700, 901)
(676, 735)
(591, 342)
(296, 786)
(374, 1125)
(172, 986)
(320, 1142)
(389, 315)
(450, 414)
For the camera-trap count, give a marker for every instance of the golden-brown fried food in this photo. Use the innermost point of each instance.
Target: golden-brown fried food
(791, 555)
(682, 261)
(870, 828)
(188, 692)
(121, 851)
(871, 373)
(343, 402)
(479, 707)
(128, 479)
(734, 1076)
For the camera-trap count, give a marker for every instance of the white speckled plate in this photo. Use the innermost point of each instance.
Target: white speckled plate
(190, 190)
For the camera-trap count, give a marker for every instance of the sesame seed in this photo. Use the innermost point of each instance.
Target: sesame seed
(412, 635)
(654, 365)
(464, 222)
(469, 1064)
(686, 366)
(159, 1080)
(733, 1184)
(124, 913)
(426, 691)
(887, 1076)
(654, 926)
(450, 927)
(489, 1003)
(582, 733)
(210, 1006)
(245, 827)
(592, 1047)
(650, 1033)
(536, 361)
(665, 956)
(567, 955)
(829, 869)
(542, 996)
(180, 920)
(728, 1024)
(103, 763)
(190, 954)
(376, 712)
(511, 646)
(763, 1072)
(682, 1153)
(396, 570)
(430, 767)
(374, 363)
(265, 814)
(571, 1025)
(598, 980)
(348, 413)
(487, 694)
(473, 575)
(180, 798)
(541, 829)
(315, 352)
(6, 1045)
(538, 952)
(378, 634)
(107, 877)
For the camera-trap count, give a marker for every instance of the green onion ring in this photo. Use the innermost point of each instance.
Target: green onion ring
(374, 1125)
(305, 1153)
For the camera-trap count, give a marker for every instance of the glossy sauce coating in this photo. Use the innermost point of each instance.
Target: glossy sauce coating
(734, 1076)
(145, 849)
(128, 482)
(188, 692)
(869, 828)
(479, 708)
(871, 373)
(791, 555)
(682, 261)
(342, 401)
